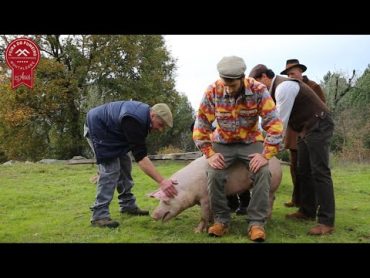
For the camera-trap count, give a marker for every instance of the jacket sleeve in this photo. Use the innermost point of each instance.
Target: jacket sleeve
(202, 131)
(272, 125)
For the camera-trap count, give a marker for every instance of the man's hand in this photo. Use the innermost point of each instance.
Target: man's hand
(167, 186)
(216, 161)
(256, 162)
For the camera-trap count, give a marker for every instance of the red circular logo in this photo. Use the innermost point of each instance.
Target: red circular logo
(22, 56)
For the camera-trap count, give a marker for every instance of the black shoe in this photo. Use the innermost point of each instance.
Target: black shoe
(241, 211)
(135, 211)
(105, 222)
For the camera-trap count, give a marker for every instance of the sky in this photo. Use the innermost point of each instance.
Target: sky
(197, 56)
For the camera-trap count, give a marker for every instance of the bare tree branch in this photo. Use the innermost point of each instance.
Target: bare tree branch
(336, 90)
(337, 97)
(349, 84)
(5, 39)
(47, 51)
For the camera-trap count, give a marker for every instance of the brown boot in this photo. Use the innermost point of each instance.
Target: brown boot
(218, 229)
(298, 216)
(321, 229)
(290, 204)
(257, 233)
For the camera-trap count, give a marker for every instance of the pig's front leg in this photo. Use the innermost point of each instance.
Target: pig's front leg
(206, 216)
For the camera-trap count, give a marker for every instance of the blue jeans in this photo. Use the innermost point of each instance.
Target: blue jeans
(113, 173)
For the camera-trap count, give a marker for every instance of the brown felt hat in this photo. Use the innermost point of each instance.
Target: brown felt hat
(291, 63)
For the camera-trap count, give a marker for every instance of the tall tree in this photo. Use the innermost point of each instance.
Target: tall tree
(180, 136)
(336, 87)
(349, 100)
(75, 74)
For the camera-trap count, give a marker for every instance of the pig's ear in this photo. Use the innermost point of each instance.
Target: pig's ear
(159, 194)
(153, 194)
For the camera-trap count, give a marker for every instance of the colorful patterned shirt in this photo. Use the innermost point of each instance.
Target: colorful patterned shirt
(236, 119)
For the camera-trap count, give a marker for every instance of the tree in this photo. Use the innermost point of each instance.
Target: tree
(75, 74)
(349, 102)
(34, 119)
(336, 87)
(180, 136)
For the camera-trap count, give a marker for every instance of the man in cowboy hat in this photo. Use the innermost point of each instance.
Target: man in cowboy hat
(294, 69)
(301, 109)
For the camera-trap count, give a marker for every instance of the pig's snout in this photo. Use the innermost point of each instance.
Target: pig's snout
(163, 215)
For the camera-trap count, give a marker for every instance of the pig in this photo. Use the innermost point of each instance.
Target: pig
(192, 189)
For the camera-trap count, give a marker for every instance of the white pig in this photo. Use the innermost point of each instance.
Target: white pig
(192, 189)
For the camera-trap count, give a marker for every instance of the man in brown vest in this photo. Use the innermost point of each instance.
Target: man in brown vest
(294, 69)
(303, 111)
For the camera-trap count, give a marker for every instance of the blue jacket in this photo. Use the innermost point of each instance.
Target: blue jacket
(105, 127)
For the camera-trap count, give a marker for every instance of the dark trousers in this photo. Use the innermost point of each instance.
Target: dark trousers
(240, 200)
(296, 195)
(314, 174)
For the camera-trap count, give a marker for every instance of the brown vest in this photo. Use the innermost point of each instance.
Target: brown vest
(307, 106)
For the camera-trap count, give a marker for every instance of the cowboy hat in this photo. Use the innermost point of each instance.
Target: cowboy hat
(291, 63)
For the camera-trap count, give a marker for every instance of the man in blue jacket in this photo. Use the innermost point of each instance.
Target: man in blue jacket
(112, 130)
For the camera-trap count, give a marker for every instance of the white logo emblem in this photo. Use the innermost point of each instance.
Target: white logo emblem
(24, 52)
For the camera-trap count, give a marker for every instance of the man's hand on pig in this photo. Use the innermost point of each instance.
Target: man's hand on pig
(216, 161)
(256, 162)
(167, 186)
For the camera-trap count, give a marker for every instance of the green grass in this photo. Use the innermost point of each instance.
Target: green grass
(50, 204)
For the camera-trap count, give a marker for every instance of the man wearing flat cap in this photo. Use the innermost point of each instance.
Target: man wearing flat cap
(305, 113)
(235, 103)
(294, 69)
(112, 130)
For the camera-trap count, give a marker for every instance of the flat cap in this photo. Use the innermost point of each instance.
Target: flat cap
(163, 111)
(232, 67)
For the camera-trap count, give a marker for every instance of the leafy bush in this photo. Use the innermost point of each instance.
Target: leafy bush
(284, 155)
(3, 157)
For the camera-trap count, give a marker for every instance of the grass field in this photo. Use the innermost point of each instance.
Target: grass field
(50, 204)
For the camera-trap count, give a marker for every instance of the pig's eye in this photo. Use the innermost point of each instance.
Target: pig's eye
(167, 202)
